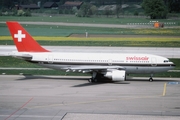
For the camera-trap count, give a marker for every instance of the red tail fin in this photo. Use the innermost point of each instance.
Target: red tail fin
(22, 39)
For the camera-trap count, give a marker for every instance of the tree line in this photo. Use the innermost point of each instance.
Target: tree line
(153, 8)
(158, 9)
(10, 3)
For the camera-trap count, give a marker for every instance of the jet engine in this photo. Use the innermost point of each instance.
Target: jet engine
(116, 75)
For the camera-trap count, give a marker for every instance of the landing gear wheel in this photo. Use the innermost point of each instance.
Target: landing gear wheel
(91, 80)
(150, 79)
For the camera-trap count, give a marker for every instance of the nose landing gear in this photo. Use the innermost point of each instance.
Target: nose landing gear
(151, 79)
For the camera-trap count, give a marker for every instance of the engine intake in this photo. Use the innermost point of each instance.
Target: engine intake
(116, 75)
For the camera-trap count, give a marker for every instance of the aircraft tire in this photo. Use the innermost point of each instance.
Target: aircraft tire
(150, 79)
(91, 80)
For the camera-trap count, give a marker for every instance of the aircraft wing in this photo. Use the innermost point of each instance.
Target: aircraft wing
(85, 69)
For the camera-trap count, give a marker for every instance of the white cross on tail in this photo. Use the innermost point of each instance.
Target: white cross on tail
(19, 36)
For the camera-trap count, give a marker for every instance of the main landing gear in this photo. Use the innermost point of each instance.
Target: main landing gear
(94, 77)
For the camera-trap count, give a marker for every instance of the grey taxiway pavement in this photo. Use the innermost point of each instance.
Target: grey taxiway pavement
(85, 24)
(70, 97)
(166, 52)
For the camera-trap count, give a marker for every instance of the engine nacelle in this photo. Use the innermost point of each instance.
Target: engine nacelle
(116, 75)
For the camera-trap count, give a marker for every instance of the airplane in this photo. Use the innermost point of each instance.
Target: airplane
(113, 66)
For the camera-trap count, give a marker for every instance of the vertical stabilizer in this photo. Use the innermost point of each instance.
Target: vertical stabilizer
(22, 39)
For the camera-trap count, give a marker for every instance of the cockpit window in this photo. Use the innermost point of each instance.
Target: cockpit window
(166, 60)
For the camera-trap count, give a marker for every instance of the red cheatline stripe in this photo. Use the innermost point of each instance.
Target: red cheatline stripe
(19, 109)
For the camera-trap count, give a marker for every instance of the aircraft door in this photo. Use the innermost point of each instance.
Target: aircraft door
(153, 62)
(50, 59)
(109, 62)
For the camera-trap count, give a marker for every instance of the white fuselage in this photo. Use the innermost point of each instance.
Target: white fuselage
(131, 63)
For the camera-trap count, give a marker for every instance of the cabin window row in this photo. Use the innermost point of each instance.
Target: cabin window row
(139, 61)
(81, 60)
(86, 60)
